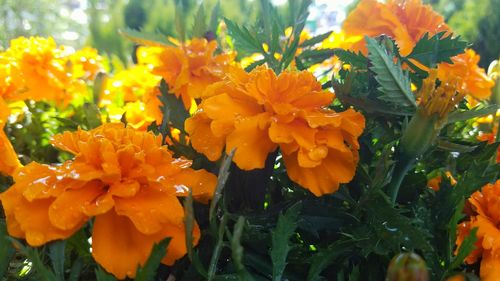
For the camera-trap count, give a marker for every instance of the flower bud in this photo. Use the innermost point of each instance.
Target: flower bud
(407, 267)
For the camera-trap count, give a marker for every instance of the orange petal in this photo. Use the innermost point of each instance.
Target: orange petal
(252, 143)
(490, 267)
(8, 160)
(202, 138)
(201, 182)
(150, 209)
(67, 211)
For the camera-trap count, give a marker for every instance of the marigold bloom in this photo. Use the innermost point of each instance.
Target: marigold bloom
(8, 160)
(490, 138)
(86, 63)
(43, 70)
(122, 177)
(258, 112)
(404, 20)
(474, 81)
(187, 69)
(435, 182)
(486, 219)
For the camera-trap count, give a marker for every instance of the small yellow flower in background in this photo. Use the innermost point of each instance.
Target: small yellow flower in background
(435, 182)
(486, 218)
(404, 20)
(188, 69)
(122, 177)
(473, 79)
(86, 63)
(258, 112)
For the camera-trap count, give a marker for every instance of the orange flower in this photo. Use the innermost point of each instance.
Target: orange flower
(474, 81)
(187, 69)
(42, 70)
(122, 177)
(487, 218)
(404, 20)
(434, 182)
(8, 160)
(258, 112)
(490, 138)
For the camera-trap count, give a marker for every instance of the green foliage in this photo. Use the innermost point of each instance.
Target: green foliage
(430, 51)
(6, 249)
(394, 82)
(148, 271)
(145, 38)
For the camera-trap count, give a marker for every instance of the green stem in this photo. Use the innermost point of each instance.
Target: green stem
(400, 170)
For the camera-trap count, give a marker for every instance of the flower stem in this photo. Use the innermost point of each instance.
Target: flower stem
(400, 170)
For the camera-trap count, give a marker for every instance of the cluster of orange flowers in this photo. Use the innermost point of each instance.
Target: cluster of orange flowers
(258, 112)
(406, 21)
(36, 69)
(123, 178)
(486, 218)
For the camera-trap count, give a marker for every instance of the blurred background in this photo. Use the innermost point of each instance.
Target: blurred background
(95, 22)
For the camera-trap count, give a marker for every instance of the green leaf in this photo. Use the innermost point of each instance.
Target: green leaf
(221, 182)
(148, 271)
(430, 51)
(99, 86)
(285, 228)
(465, 249)
(463, 115)
(6, 249)
(180, 21)
(394, 82)
(214, 18)
(189, 224)
(172, 108)
(92, 115)
(142, 38)
(102, 275)
(237, 250)
(76, 270)
(356, 60)
(315, 40)
(56, 254)
(44, 273)
(254, 65)
(200, 26)
(327, 256)
(456, 147)
(309, 58)
(243, 40)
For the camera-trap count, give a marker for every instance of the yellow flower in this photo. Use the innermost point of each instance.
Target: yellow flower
(122, 177)
(86, 63)
(258, 112)
(8, 160)
(187, 69)
(404, 20)
(486, 218)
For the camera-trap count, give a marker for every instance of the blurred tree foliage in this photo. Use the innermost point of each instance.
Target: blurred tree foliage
(43, 18)
(477, 21)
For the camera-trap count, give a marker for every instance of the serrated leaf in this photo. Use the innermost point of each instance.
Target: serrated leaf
(44, 273)
(285, 228)
(243, 40)
(214, 18)
(315, 40)
(56, 254)
(172, 108)
(465, 249)
(146, 39)
(430, 51)
(394, 82)
(200, 26)
(149, 270)
(463, 115)
(356, 60)
(327, 256)
(6, 249)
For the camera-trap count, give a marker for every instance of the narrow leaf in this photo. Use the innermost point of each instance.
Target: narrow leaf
(148, 271)
(315, 40)
(6, 249)
(465, 249)
(221, 182)
(214, 18)
(200, 26)
(285, 228)
(146, 39)
(463, 115)
(102, 275)
(56, 254)
(394, 82)
(44, 273)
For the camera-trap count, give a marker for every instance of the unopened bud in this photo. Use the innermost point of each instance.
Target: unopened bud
(407, 267)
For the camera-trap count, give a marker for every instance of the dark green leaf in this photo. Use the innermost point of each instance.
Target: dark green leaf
(237, 250)
(285, 228)
(200, 26)
(76, 270)
(172, 108)
(6, 249)
(315, 40)
(254, 65)
(327, 256)
(148, 271)
(102, 275)
(394, 82)
(438, 48)
(456, 147)
(43, 272)
(349, 57)
(56, 254)
(142, 38)
(221, 182)
(309, 58)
